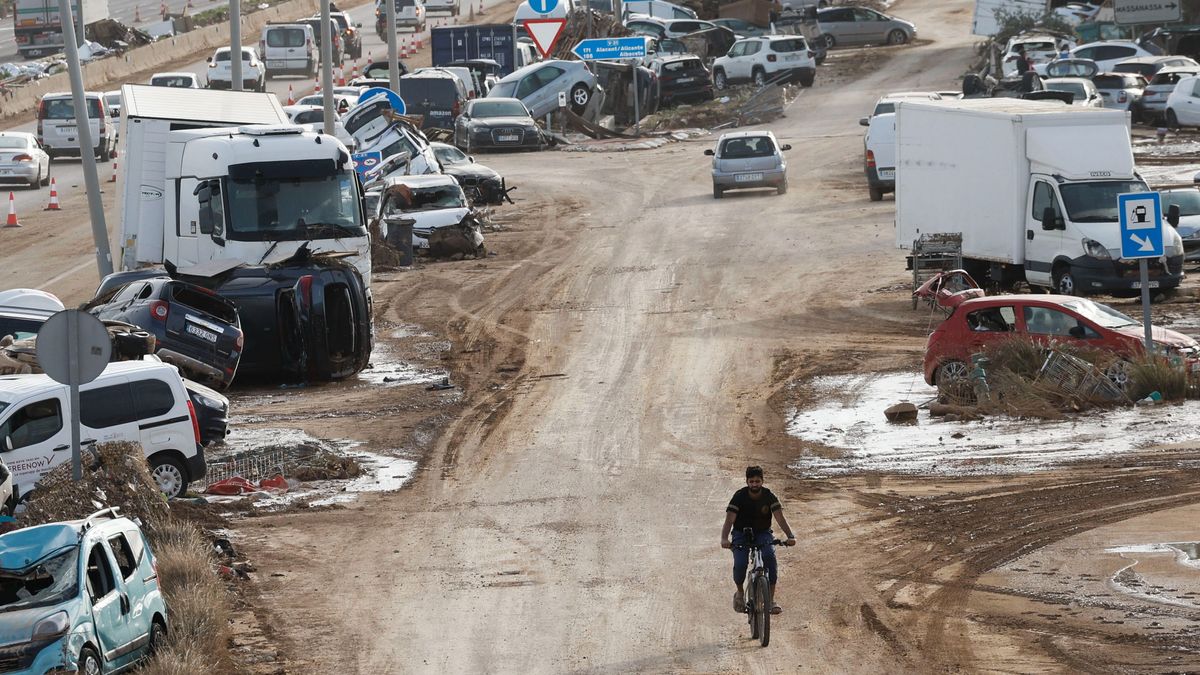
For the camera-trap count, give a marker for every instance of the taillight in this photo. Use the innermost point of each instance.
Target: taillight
(159, 310)
(771, 58)
(306, 282)
(870, 159)
(23, 158)
(239, 342)
(1123, 97)
(195, 421)
(811, 54)
(454, 110)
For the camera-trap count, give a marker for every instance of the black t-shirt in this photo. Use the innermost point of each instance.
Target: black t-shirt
(752, 512)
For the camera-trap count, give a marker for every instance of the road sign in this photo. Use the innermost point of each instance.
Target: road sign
(1133, 12)
(392, 97)
(611, 48)
(1141, 225)
(544, 33)
(543, 6)
(73, 347)
(365, 162)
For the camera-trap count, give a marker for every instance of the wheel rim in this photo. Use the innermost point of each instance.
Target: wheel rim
(896, 37)
(952, 371)
(720, 80)
(1118, 373)
(91, 665)
(1066, 284)
(169, 479)
(580, 96)
(759, 79)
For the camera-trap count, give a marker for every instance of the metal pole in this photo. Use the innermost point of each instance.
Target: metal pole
(327, 67)
(637, 117)
(90, 179)
(73, 383)
(393, 57)
(235, 45)
(1144, 273)
(82, 37)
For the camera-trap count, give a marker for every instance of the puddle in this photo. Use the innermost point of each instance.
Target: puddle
(403, 331)
(389, 370)
(1185, 552)
(849, 416)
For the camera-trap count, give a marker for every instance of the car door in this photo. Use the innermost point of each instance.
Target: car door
(838, 23)
(1188, 112)
(1045, 325)
(869, 26)
(110, 604)
(115, 309)
(1041, 244)
(542, 98)
(126, 559)
(989, 326)
(107, 412)
(40, 439)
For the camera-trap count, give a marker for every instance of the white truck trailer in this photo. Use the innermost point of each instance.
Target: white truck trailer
(1032, 187)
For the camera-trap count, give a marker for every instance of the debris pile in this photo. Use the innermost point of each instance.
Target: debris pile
(115, 35)
(578, 23)
(19, 357)
(739, 106)
(304, 461)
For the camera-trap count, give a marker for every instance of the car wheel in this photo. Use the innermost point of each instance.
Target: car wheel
(158, 637)
(897, 37)
(950, 374)
(719, 81)
(580, 95)
(781, 189)
(169, 474)
(830, 41)
(876, 193)
(89, 662)
(760, 79)
(717, 191)
(46, 179)
(1119, 373)
(1064, 282)
(807, 81)
(1172, 119)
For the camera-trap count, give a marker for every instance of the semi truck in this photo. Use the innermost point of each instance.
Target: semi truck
(37, 24)
(217, 185)
(496, 42)
(1032, 188)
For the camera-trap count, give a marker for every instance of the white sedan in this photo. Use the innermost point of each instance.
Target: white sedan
(22, 159)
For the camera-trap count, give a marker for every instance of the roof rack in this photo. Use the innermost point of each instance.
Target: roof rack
(111, 513)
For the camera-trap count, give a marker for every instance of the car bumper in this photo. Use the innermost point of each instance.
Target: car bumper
(1116, 276)
(292, 68)
(488, 141)
(793, 75)
(703, 92)
(18, 174)
(196, 466)
(1153, 106)
(771, 178)
(224, 84)
(874, 179)
(36, 658)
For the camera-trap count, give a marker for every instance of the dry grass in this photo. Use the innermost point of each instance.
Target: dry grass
(1155, 373)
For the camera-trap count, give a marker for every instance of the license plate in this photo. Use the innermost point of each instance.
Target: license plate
(508, 139)
(887, 174)
(747, 177)
(1138, 284)
(685, 80)
(276, 64)
(792, 57)
(200, 332)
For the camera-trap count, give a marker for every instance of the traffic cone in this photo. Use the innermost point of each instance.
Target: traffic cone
(369, 59)
(404, 49)
(12, 212)
(137, 14)
(113, 178)
(291, 100)
(316, 85)
(354, 70)
(162, 10)
(53, 205)
(341, 78)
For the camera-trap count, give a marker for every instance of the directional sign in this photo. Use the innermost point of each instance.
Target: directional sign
(1133, 12)
(392, 97)
(544, 33)
(1141, 225)
(543, 6)
(364, 162)
(611, 48)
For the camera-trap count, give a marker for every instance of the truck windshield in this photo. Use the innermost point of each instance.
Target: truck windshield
(46, 582)
(294, 208)
(1096, 202)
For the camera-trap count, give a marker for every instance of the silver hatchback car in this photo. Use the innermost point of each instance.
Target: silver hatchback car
(748, 159)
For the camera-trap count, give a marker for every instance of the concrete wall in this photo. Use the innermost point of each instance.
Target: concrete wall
(110, 73)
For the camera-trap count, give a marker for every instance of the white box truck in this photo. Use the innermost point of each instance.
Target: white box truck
(1032, 187)
(222, 175)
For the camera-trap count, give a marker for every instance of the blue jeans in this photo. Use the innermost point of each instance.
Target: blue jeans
(741, 557)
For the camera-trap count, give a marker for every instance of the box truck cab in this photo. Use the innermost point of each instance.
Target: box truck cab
(1032, 187)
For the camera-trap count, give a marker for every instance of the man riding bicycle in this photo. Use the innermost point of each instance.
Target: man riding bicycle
(752, 507)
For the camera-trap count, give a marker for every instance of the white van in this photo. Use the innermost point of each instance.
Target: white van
(658, 9)
(138, 401)
(58, 133)
(6, 491)
(288, 49)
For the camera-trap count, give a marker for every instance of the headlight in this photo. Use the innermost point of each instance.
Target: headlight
(1173, 250)
(1095, 249)
(52, 626)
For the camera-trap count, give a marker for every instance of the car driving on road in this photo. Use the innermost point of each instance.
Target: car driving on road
(22, 159)
(848, 26)
(220, 70)
(748, 159)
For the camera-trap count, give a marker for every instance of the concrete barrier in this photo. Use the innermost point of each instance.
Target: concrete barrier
(110, 73)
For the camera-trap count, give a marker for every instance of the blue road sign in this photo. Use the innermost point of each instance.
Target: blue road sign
(1141, 225)
(392, 97)
(611, 48)
(366, 161)
(543, 6)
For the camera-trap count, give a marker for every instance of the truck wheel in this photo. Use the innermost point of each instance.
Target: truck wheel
(1064, 282)
(876, 193)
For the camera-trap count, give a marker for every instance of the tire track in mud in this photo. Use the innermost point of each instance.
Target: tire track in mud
(948, 541)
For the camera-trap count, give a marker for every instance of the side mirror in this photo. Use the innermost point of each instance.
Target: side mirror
(1076, 332)
(709, 152)
(1173, 215)
(864, 121)
(470, 158)
(786, 147)
(8, 446)
(1048, 218)
(209, 59)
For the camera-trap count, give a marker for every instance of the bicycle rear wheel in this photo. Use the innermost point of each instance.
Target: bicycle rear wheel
(762, 606)
(751, 609)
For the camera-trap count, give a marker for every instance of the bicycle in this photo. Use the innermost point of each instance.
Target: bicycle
(757, 590)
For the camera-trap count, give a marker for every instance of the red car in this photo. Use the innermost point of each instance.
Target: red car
(977, 323)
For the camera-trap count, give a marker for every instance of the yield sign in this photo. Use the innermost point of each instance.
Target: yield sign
(544, 33)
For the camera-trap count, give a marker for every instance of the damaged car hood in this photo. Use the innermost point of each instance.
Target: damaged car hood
(424, 221)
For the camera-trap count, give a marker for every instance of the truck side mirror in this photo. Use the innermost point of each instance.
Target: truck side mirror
(864, 121)
(1173, 215)
(1048, 219)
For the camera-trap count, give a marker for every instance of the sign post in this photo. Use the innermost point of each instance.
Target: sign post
(1134, 12)
(1141, 239)
(73, 347)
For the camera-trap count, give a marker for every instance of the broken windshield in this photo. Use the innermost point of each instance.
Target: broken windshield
(263, 208)
(1101, 314)
(51, 579)
(441, 197)
(1096, 202)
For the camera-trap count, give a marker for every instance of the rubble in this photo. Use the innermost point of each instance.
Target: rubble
(115, 35)
(737, 106)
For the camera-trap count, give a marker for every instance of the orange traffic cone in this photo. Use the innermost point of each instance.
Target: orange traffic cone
(354, 70)
(341, 78)
(316, 85)
(369, 59)
(12, 212)
(291, 99)
(162, 10)
(53, 205)
(404, 50)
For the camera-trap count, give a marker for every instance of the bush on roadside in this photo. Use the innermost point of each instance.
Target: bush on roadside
(1149, 374)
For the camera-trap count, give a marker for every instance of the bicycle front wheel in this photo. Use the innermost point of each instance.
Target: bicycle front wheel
(762, 606)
